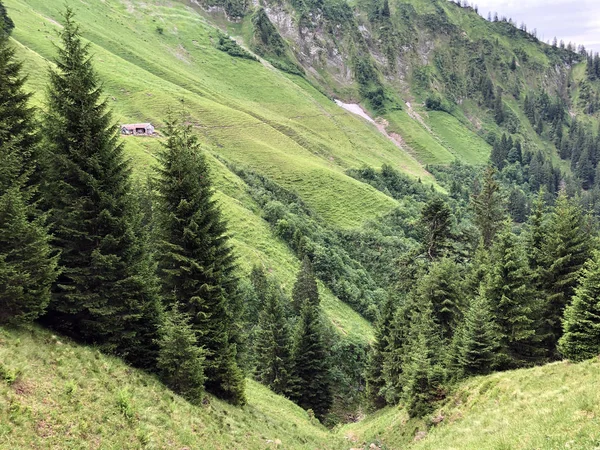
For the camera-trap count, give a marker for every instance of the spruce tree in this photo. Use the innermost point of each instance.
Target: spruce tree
(180, 361)
(442, 286)
(566, 248)
(478, 339)
(106, 292)
(488, 206)
(581, 324)
(535, 233)
(512, 299)
(273, 346)
(305, 287)
(374, 372)
(397, 347)
(436, 223)
(27, 266)
(422, 373)
(196, 260)
(311, 367)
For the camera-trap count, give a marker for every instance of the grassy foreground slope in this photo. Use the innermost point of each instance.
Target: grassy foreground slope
(549, 407)
(55, 394)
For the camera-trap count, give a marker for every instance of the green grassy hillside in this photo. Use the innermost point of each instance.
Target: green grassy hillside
(54, 394)
(549, 407)
(246, 112)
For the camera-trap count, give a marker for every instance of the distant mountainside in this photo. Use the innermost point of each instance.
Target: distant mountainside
(396, 57)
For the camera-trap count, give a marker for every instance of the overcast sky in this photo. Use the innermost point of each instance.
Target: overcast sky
(571, 20)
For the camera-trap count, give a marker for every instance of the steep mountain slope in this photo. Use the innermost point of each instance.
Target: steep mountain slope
(398, 56)
(247, 113)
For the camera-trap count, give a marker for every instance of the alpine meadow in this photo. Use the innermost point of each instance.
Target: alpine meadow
(296, 224)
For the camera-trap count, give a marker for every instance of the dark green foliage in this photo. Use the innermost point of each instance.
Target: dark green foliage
(374, 375)
(512, 299)
(476, 340)
(442, 287)
(392, 182)
(488, 206)
(180, 361)
(436, 224)
(27, 265)
(581, 338)
(305, 288)
(370, 86)
(517, 205)
(106, 292)
(311, 364)
(273, 347)
(6, 23)
(534, 238)
(18, 128)
(423, 376)
(196, 260)
(260, 288)
(396, 349)
(566, 247)
(347, 360)
(231, 47)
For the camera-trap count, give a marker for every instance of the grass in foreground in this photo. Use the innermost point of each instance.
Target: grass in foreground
(549, 407)
(56, 394)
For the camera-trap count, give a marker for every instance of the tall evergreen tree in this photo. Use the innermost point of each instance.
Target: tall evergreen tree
(566, 248)
(477, 339)
(196, 260)
(512, 299)
(436, 223)
(374, 373)
(27, 266)
(106, 293)
(442, 286)
(305, 287)
(488, 206)
(581, 338)
(422, 372)
(535, 233)
(273, 346)
(311, 367)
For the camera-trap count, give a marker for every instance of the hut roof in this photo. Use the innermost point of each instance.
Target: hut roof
(137, 125)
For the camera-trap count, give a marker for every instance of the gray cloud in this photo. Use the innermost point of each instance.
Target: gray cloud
(575, 21)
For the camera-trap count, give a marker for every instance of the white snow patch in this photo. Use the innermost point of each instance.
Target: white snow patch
(354, 108)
